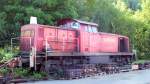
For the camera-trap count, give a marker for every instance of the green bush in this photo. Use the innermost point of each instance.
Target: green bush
(140, 61)
(4, 71)
(20, 72)
(39, 75)
(6, 54)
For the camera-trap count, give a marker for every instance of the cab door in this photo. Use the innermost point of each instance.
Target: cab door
(85, 37)
(85, 42)
(123, 44)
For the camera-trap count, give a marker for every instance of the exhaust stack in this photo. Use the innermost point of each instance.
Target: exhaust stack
(33, 20)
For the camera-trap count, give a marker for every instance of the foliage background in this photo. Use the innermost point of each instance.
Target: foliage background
(126, 17)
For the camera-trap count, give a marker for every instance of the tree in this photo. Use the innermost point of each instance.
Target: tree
(16, 13)
(125, 17)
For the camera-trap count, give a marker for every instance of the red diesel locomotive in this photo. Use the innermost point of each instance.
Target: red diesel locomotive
(76, 47)
(72, 36)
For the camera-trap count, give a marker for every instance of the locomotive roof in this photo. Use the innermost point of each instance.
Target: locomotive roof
(80, 21)
(84, 22)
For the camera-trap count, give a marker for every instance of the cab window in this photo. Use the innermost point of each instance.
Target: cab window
(94, 29)
(89, 29)
(66, 25)
(75, 25)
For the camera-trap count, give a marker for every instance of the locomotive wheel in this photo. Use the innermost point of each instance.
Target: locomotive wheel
(53, 70)
(48, 67)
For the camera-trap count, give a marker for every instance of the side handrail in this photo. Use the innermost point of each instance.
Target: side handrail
(19, 40)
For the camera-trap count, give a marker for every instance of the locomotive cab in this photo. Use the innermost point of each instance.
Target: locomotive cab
(78, 25)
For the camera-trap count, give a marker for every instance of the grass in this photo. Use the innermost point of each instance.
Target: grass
(23, 73)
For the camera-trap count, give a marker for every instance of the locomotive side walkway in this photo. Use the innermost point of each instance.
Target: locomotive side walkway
(134, 77)
(87, 54)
